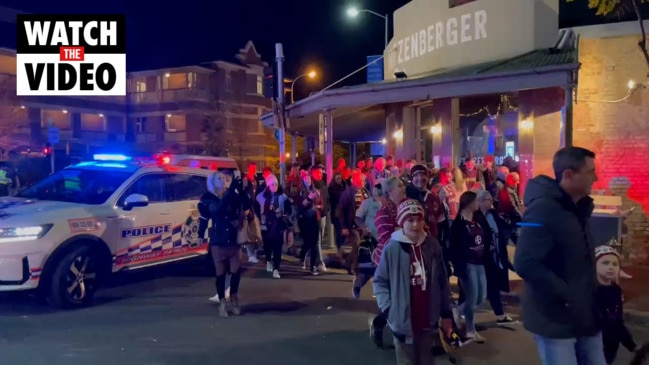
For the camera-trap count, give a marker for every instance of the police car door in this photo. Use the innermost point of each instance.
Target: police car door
(185, 190)
(145, 233)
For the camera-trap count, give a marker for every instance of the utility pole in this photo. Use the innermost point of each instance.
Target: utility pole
(280, 115)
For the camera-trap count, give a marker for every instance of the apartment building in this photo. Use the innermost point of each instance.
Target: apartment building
(206, 108)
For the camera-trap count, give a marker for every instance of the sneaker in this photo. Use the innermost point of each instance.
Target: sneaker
(276, 274)
(315, 272)
(475, 337)
(356, 292)
(376, 334)
(253, 259)
(269, 266)
(215, 299)
(505, 320)
(223, 309)
(235, 309)
(322, 268)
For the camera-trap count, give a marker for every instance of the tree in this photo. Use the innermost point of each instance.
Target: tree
(215, 118)
(216, 143)
(606, 7)
(10, 111)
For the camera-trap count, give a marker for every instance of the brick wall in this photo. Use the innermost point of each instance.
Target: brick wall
(617, 131)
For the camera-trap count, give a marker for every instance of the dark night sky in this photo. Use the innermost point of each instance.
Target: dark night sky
(314, 32)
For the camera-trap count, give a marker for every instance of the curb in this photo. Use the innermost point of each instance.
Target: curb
(638, 318)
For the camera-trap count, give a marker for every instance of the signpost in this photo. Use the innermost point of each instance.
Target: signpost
(52, 138)
(374, 69)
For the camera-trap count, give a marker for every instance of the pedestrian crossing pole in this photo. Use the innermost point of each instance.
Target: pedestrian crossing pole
(280, 115)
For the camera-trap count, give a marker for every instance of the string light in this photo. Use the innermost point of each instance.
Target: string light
(503, 105)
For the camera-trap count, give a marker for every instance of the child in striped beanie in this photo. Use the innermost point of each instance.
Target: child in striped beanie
(411, 287)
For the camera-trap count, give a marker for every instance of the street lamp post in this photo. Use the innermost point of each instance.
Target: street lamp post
(353, 12)
(311, 75)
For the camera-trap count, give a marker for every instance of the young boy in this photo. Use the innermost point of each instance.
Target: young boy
(412, 288)
(609, 303)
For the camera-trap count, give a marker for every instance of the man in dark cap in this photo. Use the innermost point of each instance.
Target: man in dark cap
(418, 190)
(472, 176)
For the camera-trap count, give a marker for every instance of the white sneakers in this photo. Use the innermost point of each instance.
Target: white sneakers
(253, 259)
(215, 298)
(269, 267)
(475, 337)
(276, 274)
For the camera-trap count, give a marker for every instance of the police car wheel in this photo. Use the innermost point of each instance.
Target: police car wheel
(74, 280)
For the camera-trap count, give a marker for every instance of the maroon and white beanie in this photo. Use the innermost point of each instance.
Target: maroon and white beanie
(407, 209)
(604, 250)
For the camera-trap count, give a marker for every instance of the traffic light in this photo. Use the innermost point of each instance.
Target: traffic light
(47, 150)
(269, 83)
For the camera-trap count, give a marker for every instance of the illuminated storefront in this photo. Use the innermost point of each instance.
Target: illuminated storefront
(443, 54)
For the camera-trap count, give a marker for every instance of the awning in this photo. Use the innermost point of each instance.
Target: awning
(360, 105)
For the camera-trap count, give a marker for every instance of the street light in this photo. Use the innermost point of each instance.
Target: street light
(310, 74)
(354, 12)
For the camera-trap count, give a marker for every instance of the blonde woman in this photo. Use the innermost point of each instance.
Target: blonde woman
(458, 180)
(224, 204)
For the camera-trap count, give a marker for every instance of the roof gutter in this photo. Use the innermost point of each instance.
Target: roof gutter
(399, 85)
(396, 85)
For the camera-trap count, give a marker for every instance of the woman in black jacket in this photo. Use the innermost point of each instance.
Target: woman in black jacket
(497, 263)
(336, 188)
(467, 249)
(224, 204)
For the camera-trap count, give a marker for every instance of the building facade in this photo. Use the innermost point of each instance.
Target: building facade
(212, 108)
(611, 117)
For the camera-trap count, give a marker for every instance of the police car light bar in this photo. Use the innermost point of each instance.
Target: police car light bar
(106, 157)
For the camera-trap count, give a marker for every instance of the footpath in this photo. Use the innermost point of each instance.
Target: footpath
(636, 290)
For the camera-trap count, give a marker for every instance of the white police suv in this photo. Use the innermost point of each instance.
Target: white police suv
(72, 229)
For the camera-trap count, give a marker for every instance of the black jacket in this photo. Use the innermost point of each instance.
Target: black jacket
(555, 257)
(614, 332)
(225, 214)
(335, 191)
(324, 194)
(460, 245)
(497, 263)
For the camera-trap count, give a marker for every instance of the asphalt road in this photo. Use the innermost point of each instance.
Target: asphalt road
(161, 317)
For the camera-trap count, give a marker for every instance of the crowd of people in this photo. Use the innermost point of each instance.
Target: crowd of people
(411, 227)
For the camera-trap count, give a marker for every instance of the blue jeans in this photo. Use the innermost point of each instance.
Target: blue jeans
(475, 292)
(571, 351)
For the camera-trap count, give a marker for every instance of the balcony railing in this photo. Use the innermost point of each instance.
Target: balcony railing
(162, 96)
(176, 137)
(7, 85)
(145, 138)
(8, 88)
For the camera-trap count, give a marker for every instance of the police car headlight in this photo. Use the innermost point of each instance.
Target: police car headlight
(26, 233)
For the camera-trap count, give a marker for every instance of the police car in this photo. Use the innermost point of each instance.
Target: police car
(72, 229)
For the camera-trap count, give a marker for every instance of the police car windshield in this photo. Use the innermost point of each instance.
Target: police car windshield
(77, 186)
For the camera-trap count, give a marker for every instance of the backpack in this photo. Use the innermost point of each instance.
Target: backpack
(365, 249)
